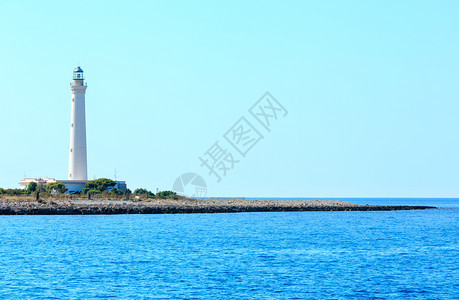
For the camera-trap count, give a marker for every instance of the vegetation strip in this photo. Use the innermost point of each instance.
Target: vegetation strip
(182, 206)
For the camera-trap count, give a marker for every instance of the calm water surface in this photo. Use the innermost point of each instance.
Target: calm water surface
(291, 255)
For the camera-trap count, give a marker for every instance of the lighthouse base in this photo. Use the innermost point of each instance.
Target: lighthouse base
(72, 186)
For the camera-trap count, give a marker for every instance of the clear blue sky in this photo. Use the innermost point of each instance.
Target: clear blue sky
(371, 89)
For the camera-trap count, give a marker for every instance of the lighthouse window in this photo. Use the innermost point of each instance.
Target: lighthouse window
(72, 125)
(71, 150)
(73, 99)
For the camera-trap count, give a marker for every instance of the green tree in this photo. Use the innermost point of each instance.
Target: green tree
(141, 191)
(40, 188)
(2, 191)
(56, 187)
(116, 191)
(101, 184)
(167, 195)
(32, 187)
(90, 193)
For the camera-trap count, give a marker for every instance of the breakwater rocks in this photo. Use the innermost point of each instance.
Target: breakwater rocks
(182, 206)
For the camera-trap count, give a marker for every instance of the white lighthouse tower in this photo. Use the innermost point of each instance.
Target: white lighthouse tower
(78, 165)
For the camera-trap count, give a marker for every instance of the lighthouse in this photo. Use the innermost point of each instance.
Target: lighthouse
(78, 165)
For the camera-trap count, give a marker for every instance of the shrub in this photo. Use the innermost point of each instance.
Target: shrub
(141, 191)
(15, 192)
(101, 184)
(56, 187)
(116, 191)
(167, 195)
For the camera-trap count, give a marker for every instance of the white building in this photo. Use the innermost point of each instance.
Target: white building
(72, 186)
(78, 163)
(24, 183)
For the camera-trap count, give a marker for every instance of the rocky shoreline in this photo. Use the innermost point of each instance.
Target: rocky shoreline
(183, 206)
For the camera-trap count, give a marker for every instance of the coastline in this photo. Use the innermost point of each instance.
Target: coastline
(184, 206)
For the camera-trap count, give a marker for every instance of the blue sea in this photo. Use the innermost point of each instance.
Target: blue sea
(280, 255)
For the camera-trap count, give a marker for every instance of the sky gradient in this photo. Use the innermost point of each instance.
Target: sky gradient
(371, 90)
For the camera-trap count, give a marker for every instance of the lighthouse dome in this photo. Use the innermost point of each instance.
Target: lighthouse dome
(78, 74)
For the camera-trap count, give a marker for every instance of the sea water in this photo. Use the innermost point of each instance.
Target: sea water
(280, 255)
